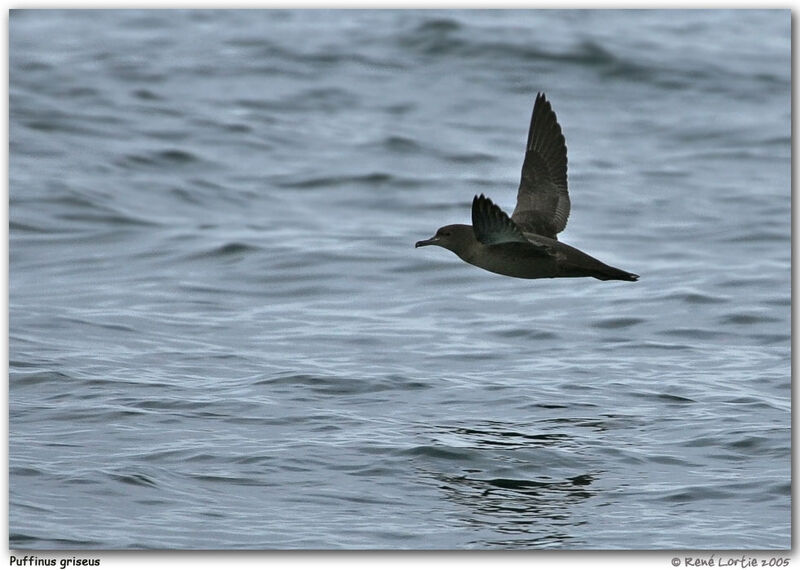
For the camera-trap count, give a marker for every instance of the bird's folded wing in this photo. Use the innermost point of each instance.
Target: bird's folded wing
(542, 200)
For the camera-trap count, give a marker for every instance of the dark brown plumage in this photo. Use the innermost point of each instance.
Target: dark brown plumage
(525, 245)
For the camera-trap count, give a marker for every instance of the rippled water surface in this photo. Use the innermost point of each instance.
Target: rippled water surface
(221, 335)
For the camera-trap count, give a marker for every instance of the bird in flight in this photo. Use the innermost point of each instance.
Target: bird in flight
(525, 245)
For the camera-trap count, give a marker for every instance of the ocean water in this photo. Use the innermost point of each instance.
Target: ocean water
(222, 337)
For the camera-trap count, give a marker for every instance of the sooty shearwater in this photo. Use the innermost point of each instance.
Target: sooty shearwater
(525, 245)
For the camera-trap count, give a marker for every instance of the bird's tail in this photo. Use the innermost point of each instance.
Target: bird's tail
(608, 273)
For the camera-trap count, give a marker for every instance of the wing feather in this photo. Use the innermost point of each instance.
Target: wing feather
(542, 200)
(491, 224)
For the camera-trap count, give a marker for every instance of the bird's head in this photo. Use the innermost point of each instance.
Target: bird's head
(456, 238)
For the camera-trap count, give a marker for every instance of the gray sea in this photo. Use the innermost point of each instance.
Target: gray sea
(222, 337)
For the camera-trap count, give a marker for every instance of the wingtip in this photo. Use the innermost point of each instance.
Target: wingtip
(543, 102)
(482, 206)
(480, 199)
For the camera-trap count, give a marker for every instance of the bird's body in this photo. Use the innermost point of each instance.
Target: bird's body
(525, 245)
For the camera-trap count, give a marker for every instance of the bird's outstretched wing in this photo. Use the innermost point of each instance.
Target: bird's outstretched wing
(542, 199)
(492, 225)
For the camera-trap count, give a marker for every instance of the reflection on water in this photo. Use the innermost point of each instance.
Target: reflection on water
(534, 513)
(515, 511)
